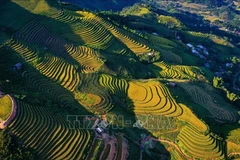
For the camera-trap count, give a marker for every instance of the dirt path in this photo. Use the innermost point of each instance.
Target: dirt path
(233, 153)
(125, 149)
(112, 141)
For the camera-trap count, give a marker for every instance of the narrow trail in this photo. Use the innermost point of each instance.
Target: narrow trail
(232, 154)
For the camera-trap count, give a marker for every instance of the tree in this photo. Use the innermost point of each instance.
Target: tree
(235, 60)
(232, 96)
(10, 148)
(217, 82)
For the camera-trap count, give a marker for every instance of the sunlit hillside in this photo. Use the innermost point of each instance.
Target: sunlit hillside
(140, 84)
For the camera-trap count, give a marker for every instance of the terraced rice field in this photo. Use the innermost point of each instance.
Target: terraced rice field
(51, 89)
(52, 67)
(171, 57)
(90, 85)
(189, 117)
(160, 41)
(49, 135)
(75, 71)
(27, 53)
(66, 17)
(95, 149)
(198, 145)
(175, 71)
(92, 33)
(35, 33)
(102, 38)
(153, 98)
(135, 43)
(202, 98)
(176, 155)
(116, 86)
(59, 71)
(88, 58)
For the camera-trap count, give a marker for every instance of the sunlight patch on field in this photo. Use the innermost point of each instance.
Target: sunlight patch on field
(5, 107)
(190, 118)
(88, 99)
(42, 6)
(153, 98)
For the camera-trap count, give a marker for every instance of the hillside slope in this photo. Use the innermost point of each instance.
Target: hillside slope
(114, 5)
(98, 85)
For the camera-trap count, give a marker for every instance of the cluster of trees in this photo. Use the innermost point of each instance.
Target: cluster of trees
(170, 22)
(149, 57)
(218, 83)
(11, 149)
(235, 60)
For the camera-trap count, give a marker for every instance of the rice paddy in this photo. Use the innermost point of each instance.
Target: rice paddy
(95, 69)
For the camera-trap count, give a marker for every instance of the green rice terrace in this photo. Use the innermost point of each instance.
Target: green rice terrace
(6, 107)
(140, 84)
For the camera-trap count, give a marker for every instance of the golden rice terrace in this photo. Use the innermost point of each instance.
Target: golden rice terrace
(108, 85)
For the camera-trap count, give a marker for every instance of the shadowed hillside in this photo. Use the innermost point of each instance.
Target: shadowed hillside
(102, 85)
(114, 5)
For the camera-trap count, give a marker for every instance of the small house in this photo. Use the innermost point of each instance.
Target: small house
(172, 84)
(194, 51)
(200, 46)
(207, 65)
(150, 54)
(99, 130)
(189, 45)
(103, 124)
(201, 56)
(206, 52)
(18, 66)
(229, 65)
(45, 48)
